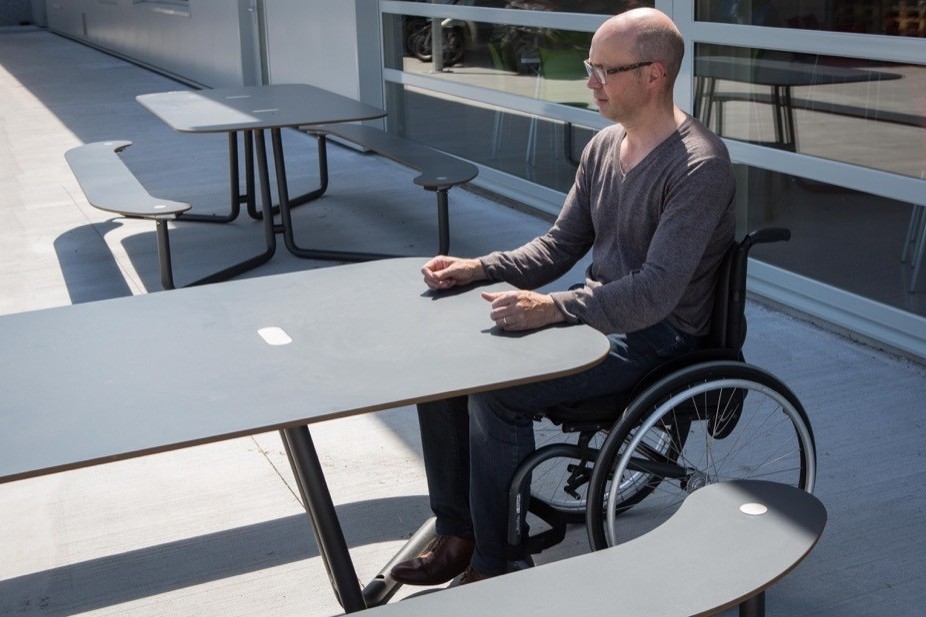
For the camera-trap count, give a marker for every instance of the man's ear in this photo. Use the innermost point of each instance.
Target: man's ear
(656, 71)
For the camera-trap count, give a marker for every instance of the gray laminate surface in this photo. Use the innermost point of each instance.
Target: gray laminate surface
(222, 110)
(160, 371)
(708, 556)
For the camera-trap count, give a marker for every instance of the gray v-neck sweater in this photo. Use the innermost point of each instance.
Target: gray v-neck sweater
(657, 235)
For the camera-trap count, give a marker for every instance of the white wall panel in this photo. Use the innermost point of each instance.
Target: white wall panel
(201, 44)
(313, 42)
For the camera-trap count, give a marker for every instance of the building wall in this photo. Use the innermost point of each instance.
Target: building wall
(199, 42)
(15, 12)
(235, 42)
(321, 42)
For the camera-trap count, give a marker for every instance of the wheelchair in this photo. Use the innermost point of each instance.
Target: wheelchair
(624, 463)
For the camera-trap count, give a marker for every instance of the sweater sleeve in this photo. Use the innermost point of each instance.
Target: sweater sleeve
(676, 277)
(657, 235)
(550, 256)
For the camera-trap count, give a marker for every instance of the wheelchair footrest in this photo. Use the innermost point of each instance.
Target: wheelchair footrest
(531, 545)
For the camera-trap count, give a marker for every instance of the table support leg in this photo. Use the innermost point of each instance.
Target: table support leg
(164, 257)
(322, 148)
(269, 235)
(301, 199)
(286, 216)
(328, 534)
(233, 189)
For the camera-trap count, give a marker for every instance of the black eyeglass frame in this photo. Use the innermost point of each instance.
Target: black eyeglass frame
(601, 73)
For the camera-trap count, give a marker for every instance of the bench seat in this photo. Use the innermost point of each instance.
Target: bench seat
(711, 555)
(438, 171)
(111, 186)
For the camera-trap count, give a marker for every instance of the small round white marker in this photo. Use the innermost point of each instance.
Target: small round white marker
(753, 509)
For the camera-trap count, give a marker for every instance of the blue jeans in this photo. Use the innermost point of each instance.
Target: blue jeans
(472, 445)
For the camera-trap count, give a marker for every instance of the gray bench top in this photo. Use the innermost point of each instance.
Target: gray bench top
(708, 557)
(109, 185)
(438, 170)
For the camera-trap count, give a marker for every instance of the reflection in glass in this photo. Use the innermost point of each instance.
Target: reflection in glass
(890, 17)
(843, 238)
(602, 7)
(540, 63)
(856, 111)
(536, 149)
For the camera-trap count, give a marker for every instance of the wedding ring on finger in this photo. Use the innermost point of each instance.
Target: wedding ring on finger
(504, 321)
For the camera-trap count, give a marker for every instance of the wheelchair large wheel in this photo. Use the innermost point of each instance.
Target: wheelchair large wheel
(707, 423)
(562, 468)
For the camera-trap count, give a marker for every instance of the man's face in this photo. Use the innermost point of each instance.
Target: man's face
(621, 94)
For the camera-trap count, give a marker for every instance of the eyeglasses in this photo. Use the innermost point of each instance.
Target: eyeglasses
(601, 73)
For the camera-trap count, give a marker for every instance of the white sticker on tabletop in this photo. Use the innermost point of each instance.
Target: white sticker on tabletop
(275, 336)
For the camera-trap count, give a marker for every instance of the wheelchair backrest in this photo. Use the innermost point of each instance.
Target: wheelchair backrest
(728, 319)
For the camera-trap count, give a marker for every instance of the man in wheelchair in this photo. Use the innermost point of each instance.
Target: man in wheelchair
(653, 199)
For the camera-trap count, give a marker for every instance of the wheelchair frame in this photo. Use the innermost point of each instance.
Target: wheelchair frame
(711, 394)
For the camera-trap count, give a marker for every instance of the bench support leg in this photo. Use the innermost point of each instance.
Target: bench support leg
(379, 590)
(167, 271)
(754, 606)
(443, 222)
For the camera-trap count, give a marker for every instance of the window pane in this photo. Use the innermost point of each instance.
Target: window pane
(890, 17)
(856, 111)
(540, 63)
(603, 7)
(529, 147)
(850, 240)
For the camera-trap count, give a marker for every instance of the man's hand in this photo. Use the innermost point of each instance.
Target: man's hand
(444, 272)
(522, 310)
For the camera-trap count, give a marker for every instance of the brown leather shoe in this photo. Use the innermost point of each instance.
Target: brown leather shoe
(444, 558)
(470, 575)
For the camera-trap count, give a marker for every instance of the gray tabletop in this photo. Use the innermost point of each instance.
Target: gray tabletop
(224, 110)
(100, 381)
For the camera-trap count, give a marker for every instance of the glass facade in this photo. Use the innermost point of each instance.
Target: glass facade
(541, 150)
(846, 239)
(540, 64)
(885, 17)
(508, 92)
(853, 110)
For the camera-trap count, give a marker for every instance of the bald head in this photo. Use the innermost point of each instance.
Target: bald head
(655, 38)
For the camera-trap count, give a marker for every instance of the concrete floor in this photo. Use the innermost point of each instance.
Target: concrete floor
(219, 529)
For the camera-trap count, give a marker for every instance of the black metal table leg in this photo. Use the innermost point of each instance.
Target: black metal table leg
(324, 520)
(286, 215)
(269, 233)
(235, 200)
(305, 197)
